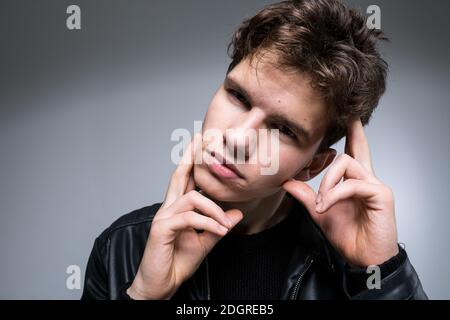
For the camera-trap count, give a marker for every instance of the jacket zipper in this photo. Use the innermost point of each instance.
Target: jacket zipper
(300, 278)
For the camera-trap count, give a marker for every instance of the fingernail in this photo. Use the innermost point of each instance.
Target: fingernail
(229, 222)
(319, 198)
(319, 207)
(222, 229)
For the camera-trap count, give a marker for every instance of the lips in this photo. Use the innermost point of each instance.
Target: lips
(225, 163)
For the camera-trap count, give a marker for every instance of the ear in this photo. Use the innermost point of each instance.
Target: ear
(318, 163)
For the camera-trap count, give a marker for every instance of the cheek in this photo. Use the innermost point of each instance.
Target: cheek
(218, 111)
(291, 161)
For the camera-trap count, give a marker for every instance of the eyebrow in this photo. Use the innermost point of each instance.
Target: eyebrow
(280, 118)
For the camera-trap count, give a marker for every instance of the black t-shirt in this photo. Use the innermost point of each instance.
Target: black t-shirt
(252, 266)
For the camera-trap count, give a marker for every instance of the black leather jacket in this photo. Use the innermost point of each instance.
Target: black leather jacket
(316, 271)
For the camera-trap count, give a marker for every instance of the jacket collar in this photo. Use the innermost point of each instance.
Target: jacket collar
(311, 247)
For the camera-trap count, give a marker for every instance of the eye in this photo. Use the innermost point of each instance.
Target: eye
(237, 95)
(285, 130)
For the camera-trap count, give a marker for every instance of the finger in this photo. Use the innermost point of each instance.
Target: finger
(351, 188)
(302, 192)
(196, 201)
(191, 219)
(344, 167)
(357, 145)
(197, 155)
(191, 183)
(210, 239)
(179, 181)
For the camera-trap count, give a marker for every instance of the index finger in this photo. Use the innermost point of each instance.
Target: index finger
(356, 143)
(181, 178)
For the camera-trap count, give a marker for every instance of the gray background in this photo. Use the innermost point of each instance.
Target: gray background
(86, 118)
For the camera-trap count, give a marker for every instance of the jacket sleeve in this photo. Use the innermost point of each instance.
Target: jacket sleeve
(401, 284)
(95, 281)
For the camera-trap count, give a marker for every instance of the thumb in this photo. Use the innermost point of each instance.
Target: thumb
(303, 193)
(235, 216)
(210, 239)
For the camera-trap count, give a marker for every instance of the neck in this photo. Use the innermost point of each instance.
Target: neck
(259, 214)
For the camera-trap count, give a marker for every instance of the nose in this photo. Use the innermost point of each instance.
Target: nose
(241, 139)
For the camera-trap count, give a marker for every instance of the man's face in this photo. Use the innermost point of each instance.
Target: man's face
(258, 96)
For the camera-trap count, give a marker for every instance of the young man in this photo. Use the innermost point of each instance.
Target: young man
(311, 70)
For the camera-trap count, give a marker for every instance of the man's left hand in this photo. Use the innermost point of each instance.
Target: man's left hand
(357, 215)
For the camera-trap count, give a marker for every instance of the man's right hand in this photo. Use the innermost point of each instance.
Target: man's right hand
(174, 249)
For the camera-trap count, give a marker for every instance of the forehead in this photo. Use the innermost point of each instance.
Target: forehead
(275, 90)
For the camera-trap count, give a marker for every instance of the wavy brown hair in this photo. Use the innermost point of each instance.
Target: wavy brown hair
(327, 41)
